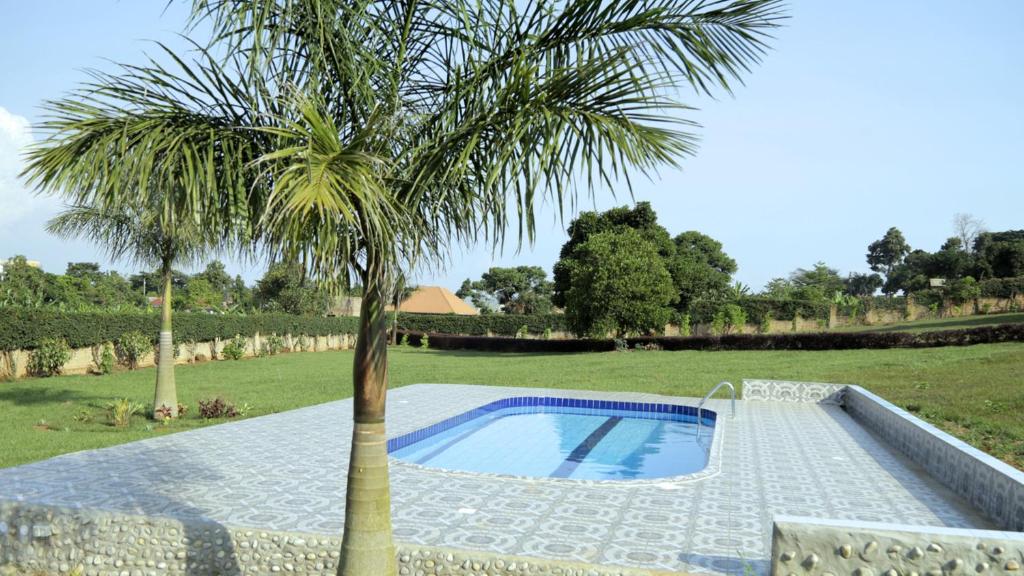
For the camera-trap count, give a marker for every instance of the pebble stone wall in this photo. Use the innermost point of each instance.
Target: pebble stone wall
(51, 540)
(807, 546)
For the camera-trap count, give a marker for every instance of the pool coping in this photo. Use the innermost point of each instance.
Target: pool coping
(711, 469)
(988, 484)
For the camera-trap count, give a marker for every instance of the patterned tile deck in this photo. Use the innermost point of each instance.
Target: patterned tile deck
(287, 472)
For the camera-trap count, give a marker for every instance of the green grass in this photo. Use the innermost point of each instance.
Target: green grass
(941, 324)
(975, 392)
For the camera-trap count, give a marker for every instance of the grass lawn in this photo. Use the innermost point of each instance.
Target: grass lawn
(940, 324)
(975, 392)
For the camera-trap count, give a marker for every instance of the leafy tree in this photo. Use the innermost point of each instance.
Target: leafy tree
(700, 268)
(356, 137)
(86, 270)
(25, 285)
(138, 232)
(218, 278)
(284, 287)
(911, 275)
(951, 261)
(640, 218)
(484, 303)
(1000, 254)
(519, 290)
(201, 295)
(818, 283)
(857, 284)
(618, 284)
(886, 254)
(779, 289)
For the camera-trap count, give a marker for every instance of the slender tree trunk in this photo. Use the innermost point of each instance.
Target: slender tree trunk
(166, 392)
(367, 548)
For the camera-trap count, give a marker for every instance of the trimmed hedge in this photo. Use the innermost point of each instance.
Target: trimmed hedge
(503, 324)
(23, 328)
(799, 341)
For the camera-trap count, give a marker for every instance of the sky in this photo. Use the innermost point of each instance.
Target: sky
(864, 115)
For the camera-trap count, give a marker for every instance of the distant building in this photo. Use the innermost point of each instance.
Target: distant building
(32, 263)
(436, 300)
(936, 282)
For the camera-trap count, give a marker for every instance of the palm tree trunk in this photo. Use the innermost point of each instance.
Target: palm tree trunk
(367, 548)
(166, 392)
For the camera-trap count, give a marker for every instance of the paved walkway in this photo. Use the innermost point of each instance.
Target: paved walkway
(287, 472)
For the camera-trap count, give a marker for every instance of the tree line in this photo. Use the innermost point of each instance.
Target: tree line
(84, 286)
(622, 272)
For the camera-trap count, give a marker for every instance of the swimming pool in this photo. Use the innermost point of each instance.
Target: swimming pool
(565, 438)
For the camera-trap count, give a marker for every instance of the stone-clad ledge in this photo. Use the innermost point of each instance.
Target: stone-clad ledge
(989, 484)
(992, 486)
(52, 540)
(808, 546)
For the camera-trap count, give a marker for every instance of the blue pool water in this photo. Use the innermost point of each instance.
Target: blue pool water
(565, 438)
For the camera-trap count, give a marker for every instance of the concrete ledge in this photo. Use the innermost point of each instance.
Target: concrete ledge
(36, 538)
(788, 391)
(812, 546)
(991, 485)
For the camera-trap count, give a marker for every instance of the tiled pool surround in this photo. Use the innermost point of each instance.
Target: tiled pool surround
(554, 404)
(285, 473)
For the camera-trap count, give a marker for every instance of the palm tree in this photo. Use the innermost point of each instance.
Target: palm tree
(359, 137)
(136, 234)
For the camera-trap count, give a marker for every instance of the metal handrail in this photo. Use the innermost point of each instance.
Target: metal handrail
(707, 396)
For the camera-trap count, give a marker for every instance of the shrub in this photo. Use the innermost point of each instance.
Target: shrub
(547, 333)
(735, 318)
(120, 412)
(405, 340)
(235, 348)
(272, 345)
(718, 323)
(523, 331)
(132, 347)
(49, 357)
(765, 326)
(106, 360)
(685, 326)
(216, 408)
(621, 345)
(425, 341)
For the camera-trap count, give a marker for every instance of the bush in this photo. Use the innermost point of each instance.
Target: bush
(685, 327)
(216, 408)
(105, 359)
(132, 347)
(235, 348)
(523, 331)
(272, 345)
(425, 342)
(735, 318)
(49, 357)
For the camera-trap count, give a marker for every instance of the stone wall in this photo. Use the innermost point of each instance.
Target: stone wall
(85, 360)
(986, 482)
(52, 540)
(807, 546)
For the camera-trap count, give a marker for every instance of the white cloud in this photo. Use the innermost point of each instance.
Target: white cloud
(16, 200)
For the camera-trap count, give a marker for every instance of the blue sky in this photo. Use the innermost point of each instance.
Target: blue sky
(866, 115)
